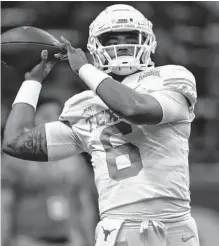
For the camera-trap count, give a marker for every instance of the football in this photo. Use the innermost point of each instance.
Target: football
(21, 47)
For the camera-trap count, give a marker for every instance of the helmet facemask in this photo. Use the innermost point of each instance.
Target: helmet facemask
(109, 59)
(121, 18)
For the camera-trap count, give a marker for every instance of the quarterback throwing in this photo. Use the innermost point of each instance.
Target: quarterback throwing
(135, 122)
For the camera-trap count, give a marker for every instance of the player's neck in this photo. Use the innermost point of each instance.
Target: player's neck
(117, 77)
(120, 78)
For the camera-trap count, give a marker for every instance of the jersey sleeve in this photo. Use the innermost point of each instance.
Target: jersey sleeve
(174, 87)
(171, 78)
(179, 79)
(174, 106)
(62, 141)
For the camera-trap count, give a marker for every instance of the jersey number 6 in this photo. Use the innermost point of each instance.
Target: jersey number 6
(125, 149)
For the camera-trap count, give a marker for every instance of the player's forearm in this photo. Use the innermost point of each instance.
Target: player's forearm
(129, 104)
(126, 102)
(20, 120)
(21, 139)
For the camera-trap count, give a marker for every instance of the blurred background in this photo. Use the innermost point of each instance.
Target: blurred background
(187, 34)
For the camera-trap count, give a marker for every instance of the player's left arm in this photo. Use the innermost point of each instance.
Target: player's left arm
(174, 101)
(131, 105)
(125, 102)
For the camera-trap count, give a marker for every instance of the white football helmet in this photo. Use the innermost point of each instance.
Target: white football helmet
(121, 18)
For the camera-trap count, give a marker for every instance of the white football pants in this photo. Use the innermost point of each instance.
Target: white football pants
(148, 233)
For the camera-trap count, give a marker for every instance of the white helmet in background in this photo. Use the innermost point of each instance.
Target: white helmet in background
(121, 18)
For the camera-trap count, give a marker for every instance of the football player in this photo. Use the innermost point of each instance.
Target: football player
(134, 121)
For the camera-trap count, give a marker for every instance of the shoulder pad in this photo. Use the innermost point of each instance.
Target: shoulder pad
(180, 79)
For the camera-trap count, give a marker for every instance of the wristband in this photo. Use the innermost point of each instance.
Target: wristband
(28, 93)
(92, 76)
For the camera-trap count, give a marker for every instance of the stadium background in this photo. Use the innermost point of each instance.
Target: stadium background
(187, 34)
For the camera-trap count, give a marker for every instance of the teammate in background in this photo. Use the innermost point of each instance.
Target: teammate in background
(135, 123)
(47, 204)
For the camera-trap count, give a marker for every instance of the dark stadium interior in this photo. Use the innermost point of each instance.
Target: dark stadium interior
(187, 34)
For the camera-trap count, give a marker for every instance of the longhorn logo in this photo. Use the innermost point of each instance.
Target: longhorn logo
(107, 233)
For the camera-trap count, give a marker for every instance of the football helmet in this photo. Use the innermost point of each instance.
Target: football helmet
(121, 18)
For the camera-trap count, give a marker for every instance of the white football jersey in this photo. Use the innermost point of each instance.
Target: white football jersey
(136, 162)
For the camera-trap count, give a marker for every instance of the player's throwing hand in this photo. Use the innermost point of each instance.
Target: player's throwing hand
(41, 70)
(76, 57)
